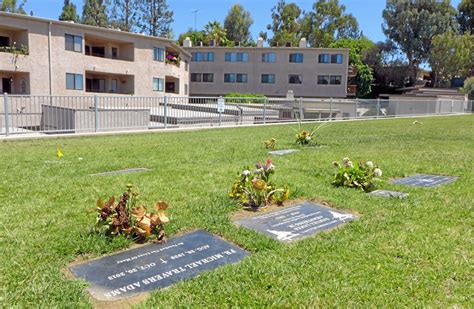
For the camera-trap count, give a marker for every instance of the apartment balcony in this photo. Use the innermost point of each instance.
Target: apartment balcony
(101, 82)
(351, 71)
(14, 82)
(110, 49)
(172, 57)
(171, 84)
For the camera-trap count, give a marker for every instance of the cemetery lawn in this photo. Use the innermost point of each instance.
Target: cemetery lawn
(415, 252)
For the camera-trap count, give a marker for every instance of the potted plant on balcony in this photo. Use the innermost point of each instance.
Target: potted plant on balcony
(173, 59)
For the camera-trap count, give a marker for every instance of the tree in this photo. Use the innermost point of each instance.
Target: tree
(194, 36)
(94, 13)
(215, 31)
(125, 14)
(69, 12)
(412, 24)
(286, 23)
(156, 18)
(357, 50)
(450, 56)
(11, 6)
(466, 16)
(328, 22)
(238, 23)
(468, 89)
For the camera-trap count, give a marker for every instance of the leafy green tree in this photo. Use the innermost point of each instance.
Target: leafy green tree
(450, 56)
(215, 31)
(156, 18)
(286, 23)
(69, 12)
(238, 23)
(94, 13)
(125, 14)
(328, 22)
(468, 88)
(12, 6)
(466, 16)
(195, 36)
(357, 50)
(412, 25)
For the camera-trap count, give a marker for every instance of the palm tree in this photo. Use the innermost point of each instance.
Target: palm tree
(215, 31)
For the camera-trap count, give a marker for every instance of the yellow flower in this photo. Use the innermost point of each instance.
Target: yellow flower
(259, 184)
(59, 153)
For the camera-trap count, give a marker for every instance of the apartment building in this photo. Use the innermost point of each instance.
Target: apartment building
(47, 57)
(272, 71)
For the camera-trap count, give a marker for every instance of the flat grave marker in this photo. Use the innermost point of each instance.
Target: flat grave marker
(424, 180)
(125, 171)
(283, 152)
(386, 193)
(296, 222)
(129, 273)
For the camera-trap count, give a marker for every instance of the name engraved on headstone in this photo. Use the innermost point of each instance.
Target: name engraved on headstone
(154, 266)
(283, 152)
(386, 193)
(126, 171)
(296, 222)
(423, 180)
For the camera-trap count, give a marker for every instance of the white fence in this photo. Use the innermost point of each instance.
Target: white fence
(67, 114)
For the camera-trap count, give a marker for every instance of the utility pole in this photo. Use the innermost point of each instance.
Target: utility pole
(195, 19)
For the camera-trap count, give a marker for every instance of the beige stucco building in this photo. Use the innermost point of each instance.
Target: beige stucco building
(272, 71)
(46, 57)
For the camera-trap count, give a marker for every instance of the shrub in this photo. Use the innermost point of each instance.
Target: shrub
(129, 217)
(360, 175)
(270, 144)
(254, 189)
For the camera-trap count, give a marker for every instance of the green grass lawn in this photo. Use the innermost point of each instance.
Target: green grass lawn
(416, 252)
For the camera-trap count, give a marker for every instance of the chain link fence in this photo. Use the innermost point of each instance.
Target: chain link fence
(78, 114)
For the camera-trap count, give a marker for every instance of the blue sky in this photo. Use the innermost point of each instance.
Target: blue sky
(367, 12)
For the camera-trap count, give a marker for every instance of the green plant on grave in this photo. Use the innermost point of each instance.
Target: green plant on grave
(307, 137)
(253, 189)
(270, 144)
(131, 218)
(361, 175)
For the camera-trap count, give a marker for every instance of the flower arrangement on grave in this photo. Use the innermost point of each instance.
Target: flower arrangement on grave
(172, 59)
(131, 218)
(270, 144)
(361, 175)
(253, 189)
(307, 137)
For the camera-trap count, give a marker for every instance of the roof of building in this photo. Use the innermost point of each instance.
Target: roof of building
(88, 27)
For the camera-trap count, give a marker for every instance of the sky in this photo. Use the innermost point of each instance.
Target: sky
(367, 12)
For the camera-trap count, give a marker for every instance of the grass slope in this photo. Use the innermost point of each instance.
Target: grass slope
(412, 252)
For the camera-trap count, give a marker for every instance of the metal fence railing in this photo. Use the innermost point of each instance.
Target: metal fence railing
(75, 114)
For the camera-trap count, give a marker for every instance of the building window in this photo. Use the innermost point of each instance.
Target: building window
(158, 54)
(202, 77)
(296, 58)
(295, 79)
(186, 65)
(202, 57)
(337, 58)
(114, 53)
(4, 41)
(323, 79)
(73, 43)
(185, 89)
(98, 51)
(158, 84)
(268, 57)
(236, 57)
(324, 58)
(268, 78)
(114, 86)
(235, 78)
(335, 79)
(74, 81)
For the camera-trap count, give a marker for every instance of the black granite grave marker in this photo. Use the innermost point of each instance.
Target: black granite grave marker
(386, 193)
(296, 222)
(154, 266)
(283, 152)
(126, 171)
(423, 180)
